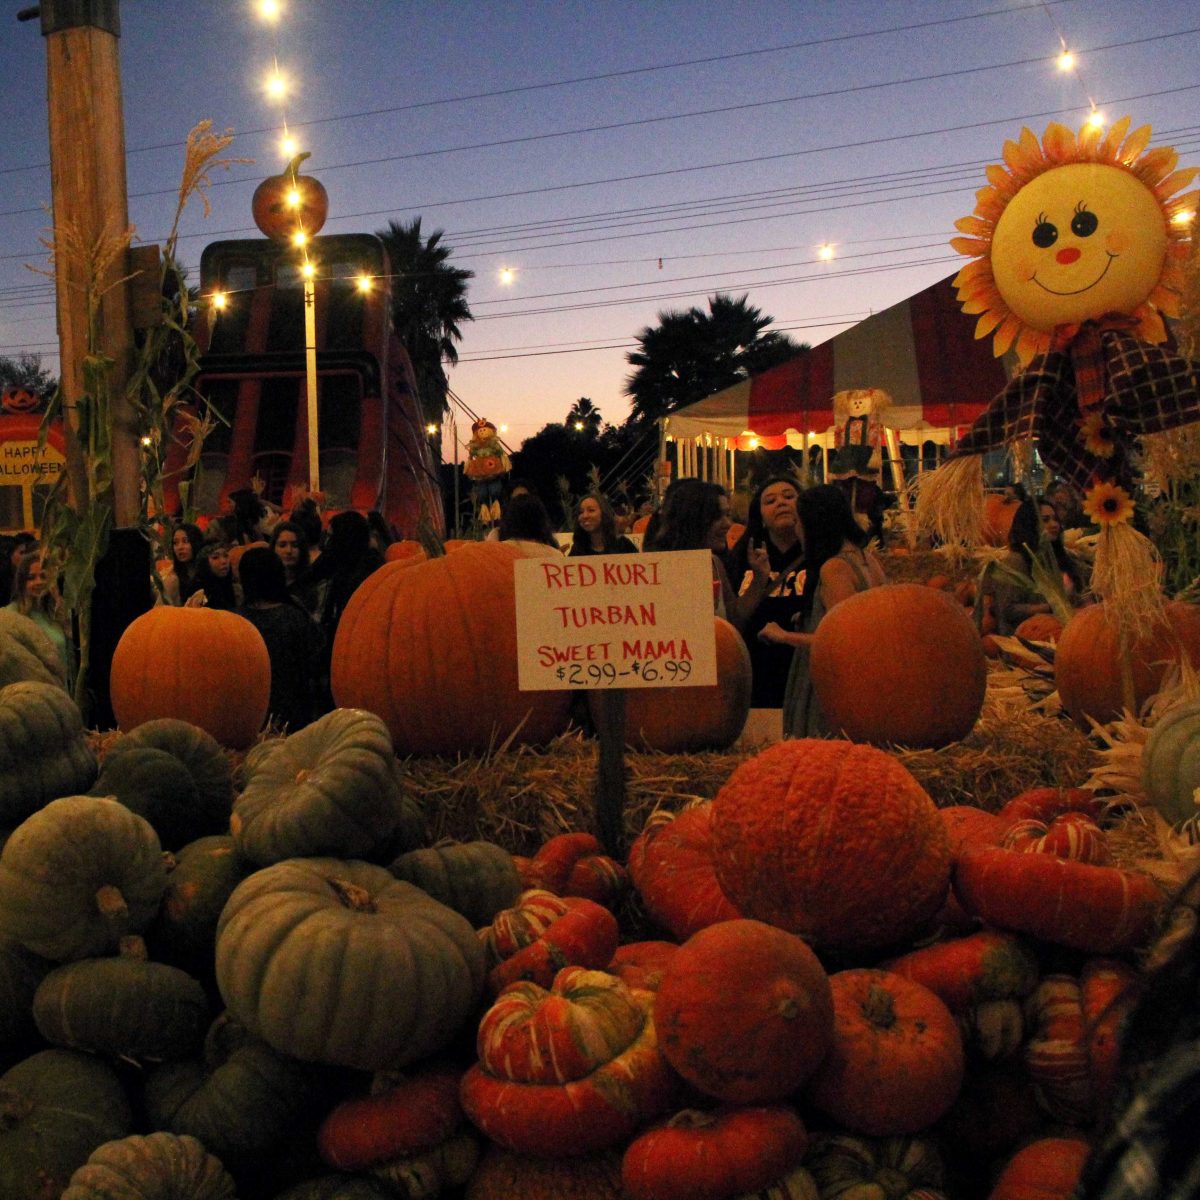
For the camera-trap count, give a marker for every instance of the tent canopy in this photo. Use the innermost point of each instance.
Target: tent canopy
(922, 351)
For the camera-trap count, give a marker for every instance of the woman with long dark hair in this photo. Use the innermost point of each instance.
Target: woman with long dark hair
(595, 529)
(695, 516)
(837, 565)
(526, 522)
(290, 544)
(1015, 596)
(215, 586)
(180, 581)
(767, 569)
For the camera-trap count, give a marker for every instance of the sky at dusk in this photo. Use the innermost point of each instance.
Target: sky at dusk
(621, 159)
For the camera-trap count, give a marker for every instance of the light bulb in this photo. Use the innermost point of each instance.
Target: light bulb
(431, 428)
(364, 283)
(299, 237)
(276, 87)
(507, 276)
(293, 198)
(1066, 61)
(308, 270)
(288, 146)
(269, 10)
(825, 252)
(219, 300)
(1095, 119)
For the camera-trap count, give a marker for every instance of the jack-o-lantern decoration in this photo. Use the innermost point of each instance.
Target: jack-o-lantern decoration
(290, 203)
(19, 399)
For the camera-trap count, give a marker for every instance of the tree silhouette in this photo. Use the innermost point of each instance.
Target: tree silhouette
(689, 355)
(586, 415)
(429, 303)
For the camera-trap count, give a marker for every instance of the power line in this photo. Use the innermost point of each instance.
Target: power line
(627, 72)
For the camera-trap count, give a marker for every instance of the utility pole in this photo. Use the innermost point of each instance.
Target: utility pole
(88, 192)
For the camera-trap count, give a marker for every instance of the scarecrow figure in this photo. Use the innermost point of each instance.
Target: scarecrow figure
(1079, 251)
(855, 464)
(487, 464)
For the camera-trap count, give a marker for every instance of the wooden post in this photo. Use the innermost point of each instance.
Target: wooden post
(87, 179)
(310, 375)
(610, 771)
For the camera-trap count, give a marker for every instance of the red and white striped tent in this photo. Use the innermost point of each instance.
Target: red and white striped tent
(922, 351)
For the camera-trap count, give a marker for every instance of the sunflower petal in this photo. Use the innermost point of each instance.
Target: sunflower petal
(1112, 139)
(972, 247)
(1059, 143)
(1135, 143)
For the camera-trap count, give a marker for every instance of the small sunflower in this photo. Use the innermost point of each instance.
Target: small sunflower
(1108, 504)
(1097, 437)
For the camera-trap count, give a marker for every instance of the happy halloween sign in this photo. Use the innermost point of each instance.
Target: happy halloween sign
(616, 621)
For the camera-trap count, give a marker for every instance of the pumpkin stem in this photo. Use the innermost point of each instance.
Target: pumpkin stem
(293, 168)
(133, 946)
(110, 903)
(691, 1118)
(893, 1183)
(352, 896)
(879, 1008)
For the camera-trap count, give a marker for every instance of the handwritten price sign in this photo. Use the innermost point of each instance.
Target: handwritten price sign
(616, 621)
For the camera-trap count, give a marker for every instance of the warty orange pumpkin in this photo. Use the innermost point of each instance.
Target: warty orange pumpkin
(833, 841)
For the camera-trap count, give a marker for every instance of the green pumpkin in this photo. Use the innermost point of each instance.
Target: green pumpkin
(27, 654)
(332, 788)
(160, 1166)
(184, 932)
(159, 788)
(122, 1007)
(20, 974)
(242, 1104)
(43, 749)
(1171, 763)
(477, 879)
(337, 962)
(206, 761)
(78, 876)
(55, 1109)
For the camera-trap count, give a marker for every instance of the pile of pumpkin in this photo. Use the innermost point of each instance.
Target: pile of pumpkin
(278, 990)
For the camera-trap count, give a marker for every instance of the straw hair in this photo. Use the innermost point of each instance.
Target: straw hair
(949, 502)
(1126, 577)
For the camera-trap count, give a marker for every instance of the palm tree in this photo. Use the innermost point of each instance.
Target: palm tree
(586, 416)
(689, 355)
(429, 303)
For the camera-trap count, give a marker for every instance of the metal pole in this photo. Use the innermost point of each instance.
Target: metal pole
(310, 368)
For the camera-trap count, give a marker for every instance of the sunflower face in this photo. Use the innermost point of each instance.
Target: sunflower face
(1072, 227)
(1076, 243)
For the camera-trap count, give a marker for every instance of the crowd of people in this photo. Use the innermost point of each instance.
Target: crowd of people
(800, 551)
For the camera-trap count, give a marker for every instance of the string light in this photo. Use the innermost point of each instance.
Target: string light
(364, 283)
(219, 300)
(299, 238)
(1095, 119)
(1184, 217)
(269, 10)
(579, 426)
(276, 86)
(293, 198)
(507, 276)
(825, 252)
(431, 428)
(1065, 61)
(308, 270)
(288, 146)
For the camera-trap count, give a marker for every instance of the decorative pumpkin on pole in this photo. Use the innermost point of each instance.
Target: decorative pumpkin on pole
(1078, 245)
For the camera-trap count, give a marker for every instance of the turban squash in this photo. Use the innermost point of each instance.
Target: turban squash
(611, 1079)
(150, 1168)
(431, 648)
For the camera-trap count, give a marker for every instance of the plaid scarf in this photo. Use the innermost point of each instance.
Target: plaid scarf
(1136, 388)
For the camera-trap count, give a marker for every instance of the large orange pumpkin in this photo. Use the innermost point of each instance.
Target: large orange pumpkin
(900, 664)
(832, 841)
(202, 665)
(1087, 668)
(431, 648)
(682, 720)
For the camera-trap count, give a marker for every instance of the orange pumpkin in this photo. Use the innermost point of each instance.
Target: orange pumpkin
(285, 203)
(236, 552)
(1045, 1170)
(832, 841)
(682, 720)
(998, 516)
(936, 693)
(1087, 668)
(405, 548)
(431, 648)
(1041, 627)
(733, 534)
(744, 1012)
(202, 665)
(896, 1062)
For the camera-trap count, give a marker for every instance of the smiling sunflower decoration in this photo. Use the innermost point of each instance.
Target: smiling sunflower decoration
(1079, 244)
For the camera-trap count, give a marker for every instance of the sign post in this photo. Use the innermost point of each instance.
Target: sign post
(609, 623)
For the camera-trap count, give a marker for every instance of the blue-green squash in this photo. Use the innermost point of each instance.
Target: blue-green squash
(477, 879)
(1171, 763)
